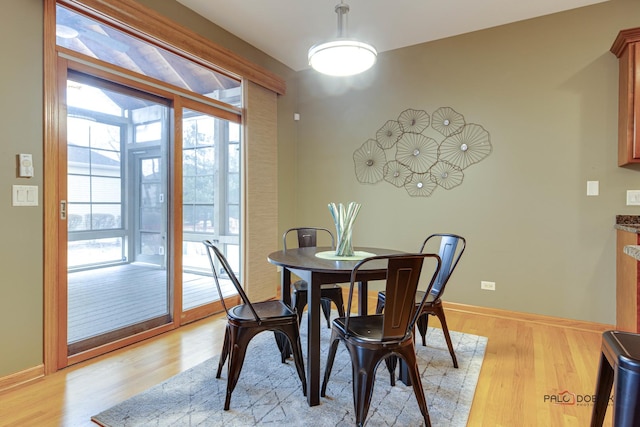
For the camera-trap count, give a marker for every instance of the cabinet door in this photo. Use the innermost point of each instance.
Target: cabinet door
(627, 284)
(633, 130)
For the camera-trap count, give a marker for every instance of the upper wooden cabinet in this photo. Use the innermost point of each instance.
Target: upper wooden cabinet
(627, 48)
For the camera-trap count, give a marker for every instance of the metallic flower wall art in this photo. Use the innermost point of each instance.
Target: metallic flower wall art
(422, 158)
(369, 160)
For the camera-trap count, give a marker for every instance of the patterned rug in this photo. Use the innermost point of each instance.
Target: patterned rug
(269, 392)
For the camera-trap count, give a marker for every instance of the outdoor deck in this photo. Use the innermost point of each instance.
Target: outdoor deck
(104, 299)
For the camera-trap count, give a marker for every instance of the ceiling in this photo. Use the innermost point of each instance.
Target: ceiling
(286, 29)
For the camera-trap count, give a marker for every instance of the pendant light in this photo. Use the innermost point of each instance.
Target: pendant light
(342, 56)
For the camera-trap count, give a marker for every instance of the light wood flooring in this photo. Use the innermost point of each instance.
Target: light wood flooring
(529, 361)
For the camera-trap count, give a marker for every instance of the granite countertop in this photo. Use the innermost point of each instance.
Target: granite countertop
(633, 251)
(630, 223)
(632, 228)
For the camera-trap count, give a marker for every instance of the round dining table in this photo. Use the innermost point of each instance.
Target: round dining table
(318, 266)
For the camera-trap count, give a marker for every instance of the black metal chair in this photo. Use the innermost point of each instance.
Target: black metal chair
(308, 237)
(370, 339)
(450, 250)
(619, 370)
(248, 319)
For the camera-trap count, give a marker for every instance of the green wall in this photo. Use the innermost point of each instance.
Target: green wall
(21, 259)
(545, 89)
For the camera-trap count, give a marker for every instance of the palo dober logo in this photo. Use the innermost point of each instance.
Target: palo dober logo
(562, 398)
(568, 398)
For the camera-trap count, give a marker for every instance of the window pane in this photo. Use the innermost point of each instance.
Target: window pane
(91, 98)
(204, 219)
(211, 195)
(85, 252)
(98, 40)
(204, 128)
(233, 185)
(233, 256)
(151, 244)
(105, 189)
(106, 163)
(194, 252)
(148, 132)
(78, 131)
(234, 132)
(105, 136)
(189, 189)
(79, 189)
(188, 218)
(204, 189)
(205, 160)
(234, 158)
(234, 220)
(105, 217)
(76, 214)
(189, 162)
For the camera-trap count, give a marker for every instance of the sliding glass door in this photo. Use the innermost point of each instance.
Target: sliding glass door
(148, 164)
(117, 199)
(210, 201)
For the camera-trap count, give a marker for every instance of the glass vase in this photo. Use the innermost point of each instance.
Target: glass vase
(343, 219)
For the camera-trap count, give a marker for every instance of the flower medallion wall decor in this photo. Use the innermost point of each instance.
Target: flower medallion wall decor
(421, 152)
(369, 159)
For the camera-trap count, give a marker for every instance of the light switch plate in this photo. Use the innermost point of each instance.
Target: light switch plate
(633, 197)
(26, 165)
(593, 188)
(25, 195)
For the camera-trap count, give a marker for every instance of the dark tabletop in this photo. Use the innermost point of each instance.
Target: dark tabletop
(306, 259)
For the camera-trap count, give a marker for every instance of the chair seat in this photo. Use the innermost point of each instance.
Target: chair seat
(364, 328)
(266, 309)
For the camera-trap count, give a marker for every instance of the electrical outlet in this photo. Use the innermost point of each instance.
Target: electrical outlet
(488, 286)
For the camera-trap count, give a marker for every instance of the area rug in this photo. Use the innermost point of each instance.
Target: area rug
(269, 392)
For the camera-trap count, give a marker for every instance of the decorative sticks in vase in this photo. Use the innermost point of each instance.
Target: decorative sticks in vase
(343, 219)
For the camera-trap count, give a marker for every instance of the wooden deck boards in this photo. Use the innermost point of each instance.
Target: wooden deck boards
(105, 299)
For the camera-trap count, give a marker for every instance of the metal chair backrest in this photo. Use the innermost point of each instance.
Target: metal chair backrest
(451, 248)
(229, 271)
(403, 275)
(307, 236)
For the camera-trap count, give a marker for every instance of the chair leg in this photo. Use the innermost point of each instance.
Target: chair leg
(423, 325)
(325, 304)
(392, 363)
(239, 339)
(283, 345)
(333, 347)
(603, 391)
(299, 302)
(408, 354)
(380, 304)
(293, 336)
(338, 300)
(443, 321)
(363, 364)
(224, 353)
